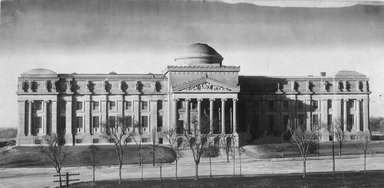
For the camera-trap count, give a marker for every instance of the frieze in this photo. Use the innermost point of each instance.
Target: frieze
(207, 87)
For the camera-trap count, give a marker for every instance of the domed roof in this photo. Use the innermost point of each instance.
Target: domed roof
(199, 54)
(40, 71)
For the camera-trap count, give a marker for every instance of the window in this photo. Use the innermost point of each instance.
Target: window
(160, 105)
(96, 105)
(300, 104)
(285, 121)
(38, 122)
(351, 103)
(271, 105)
(96, 140)
(112, 105)
(128, 105)
(79, 105)
(129, 121)
(329, 120)
(285, 104)
(38, 105)
(79, 141)
(112, 120)
(329, 103)
(315, 119)
(301, 119)
(144, 140)
(351, 119)
(144, 105)
(159, 122)
(79, 124)
(62, 106)
(271, 120)
(315, 104)
(144, 121)
(96, 122)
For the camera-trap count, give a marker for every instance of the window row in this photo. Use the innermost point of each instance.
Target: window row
(286, 104)
(112, 105)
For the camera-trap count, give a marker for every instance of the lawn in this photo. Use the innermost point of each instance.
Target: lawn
(31, 157)
(342, 179)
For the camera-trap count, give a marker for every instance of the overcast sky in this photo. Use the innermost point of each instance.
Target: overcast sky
(284, 38)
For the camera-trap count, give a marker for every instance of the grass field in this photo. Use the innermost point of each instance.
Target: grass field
(344, 179)
(31, 157)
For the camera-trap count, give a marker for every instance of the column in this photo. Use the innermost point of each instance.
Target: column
(199, 114)
(366, 114)
(234, 116)
(187, 116)
(175, 112)
(153, 124)
(308, 106)
(45, 113)
(345, 112)
(21, 120)
(357, 127)
(103, 118)
(87, 116)
(324, 113)
(211, 115)
(68, 117)
(54, 117)
(223, 116)
(30, 118)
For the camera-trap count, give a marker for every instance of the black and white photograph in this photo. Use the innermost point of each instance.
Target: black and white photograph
(191, 93)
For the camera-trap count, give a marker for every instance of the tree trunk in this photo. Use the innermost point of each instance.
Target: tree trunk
(196, 171)
(240, 161)
(340, 150)
(120, 166)
(304, 167)
(60, 183)
(333, 157)
(365, 162)
(161, 171)
(227, 157)
(210, 167)
(93, 175)
(142, 170)
(176, 169)
(234, 162)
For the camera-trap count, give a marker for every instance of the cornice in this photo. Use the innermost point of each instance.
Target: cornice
(171, 68)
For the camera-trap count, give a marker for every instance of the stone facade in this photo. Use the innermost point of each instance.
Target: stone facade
(199, 92)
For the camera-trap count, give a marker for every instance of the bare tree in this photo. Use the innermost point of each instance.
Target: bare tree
(197, 141)
(227, 147)
(56, 150)
(241, 151)
(211, 152)
(304, 139)
(117, 131)
(92, 157)
(170, 136)
(137, 137)
(339, 134)
(364, 139)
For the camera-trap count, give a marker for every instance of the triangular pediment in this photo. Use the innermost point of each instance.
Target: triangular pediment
(205, 85)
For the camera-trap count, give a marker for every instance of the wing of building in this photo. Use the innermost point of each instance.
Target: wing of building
(198, 92)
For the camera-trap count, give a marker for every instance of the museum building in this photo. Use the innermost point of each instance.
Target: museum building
(197, 92)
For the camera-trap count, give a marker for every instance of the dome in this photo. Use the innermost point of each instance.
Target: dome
(39, 72)
(199, 54)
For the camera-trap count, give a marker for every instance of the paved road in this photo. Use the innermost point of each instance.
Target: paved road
(42, 177)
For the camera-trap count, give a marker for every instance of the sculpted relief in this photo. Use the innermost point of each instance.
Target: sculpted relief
(207, 86)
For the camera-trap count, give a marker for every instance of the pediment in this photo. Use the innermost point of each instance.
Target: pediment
(205, 85)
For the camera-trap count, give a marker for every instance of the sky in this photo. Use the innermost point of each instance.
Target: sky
(266, 38)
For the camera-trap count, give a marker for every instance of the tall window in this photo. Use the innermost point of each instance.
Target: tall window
(62, 106)
(315, 104)
(95, 105)
(271, 105)
(38, 105)
(301, 119)
(38, 122)
(96, 122)
(329, 103)
(159, 104)
(144, 121)
(79, 105)
(129, 121)
(112, 120)
(128, 105)
(300, 104)
(315, 119)
(330, 121)
(351, 103)
(144, 105)
(79, 124)
(285, 104)
(159, 121)
(112, 105)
